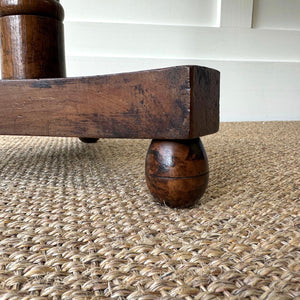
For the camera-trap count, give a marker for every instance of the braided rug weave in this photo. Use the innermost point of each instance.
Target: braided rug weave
(77, 221)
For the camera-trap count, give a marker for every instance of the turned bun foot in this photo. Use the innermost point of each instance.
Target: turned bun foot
(177, 171)
(89, 140)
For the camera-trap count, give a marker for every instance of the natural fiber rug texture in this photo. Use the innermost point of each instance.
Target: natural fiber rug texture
(77, 221)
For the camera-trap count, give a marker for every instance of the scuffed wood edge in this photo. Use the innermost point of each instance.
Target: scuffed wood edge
(171, 103)
(205, 107)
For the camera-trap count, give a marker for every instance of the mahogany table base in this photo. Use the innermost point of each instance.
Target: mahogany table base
(171, 106)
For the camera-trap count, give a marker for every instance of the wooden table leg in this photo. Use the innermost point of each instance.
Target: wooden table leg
(172, 106)
(177, 171)
(89, 140)
(32, 41)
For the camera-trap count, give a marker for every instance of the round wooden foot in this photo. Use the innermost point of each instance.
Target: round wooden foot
(177, 171)
(89, 140)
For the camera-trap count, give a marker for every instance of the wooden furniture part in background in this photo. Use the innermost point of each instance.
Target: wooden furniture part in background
(171, 106)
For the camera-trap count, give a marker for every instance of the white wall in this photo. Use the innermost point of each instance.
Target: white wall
(254, 43)
(277, 14)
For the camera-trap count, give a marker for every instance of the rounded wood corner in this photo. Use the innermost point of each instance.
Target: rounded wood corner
(46, 8)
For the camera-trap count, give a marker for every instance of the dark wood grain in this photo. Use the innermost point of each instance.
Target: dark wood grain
(32, 39)
(179, 104)
(46, 8)
(177, 171)
(156, 104)
(205, 95)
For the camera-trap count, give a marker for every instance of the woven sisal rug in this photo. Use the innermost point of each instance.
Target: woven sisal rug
(77, 221)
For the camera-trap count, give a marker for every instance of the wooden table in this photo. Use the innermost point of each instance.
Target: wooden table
(171, 106)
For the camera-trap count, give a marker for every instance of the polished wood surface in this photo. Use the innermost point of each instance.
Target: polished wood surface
(32, 39)
(173, 106)
(32, 47)
(46, 8)
(177, 171)
(155, 104)
(32, 36)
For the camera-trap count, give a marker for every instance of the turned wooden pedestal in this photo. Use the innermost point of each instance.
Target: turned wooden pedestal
(171, 106)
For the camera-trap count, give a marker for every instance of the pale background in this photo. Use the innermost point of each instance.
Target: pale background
(254, 43)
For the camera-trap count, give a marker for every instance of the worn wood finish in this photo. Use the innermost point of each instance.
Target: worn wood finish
(177, 171)
(32, 40)
(155, 104)
(205, 93)
(179, 103)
